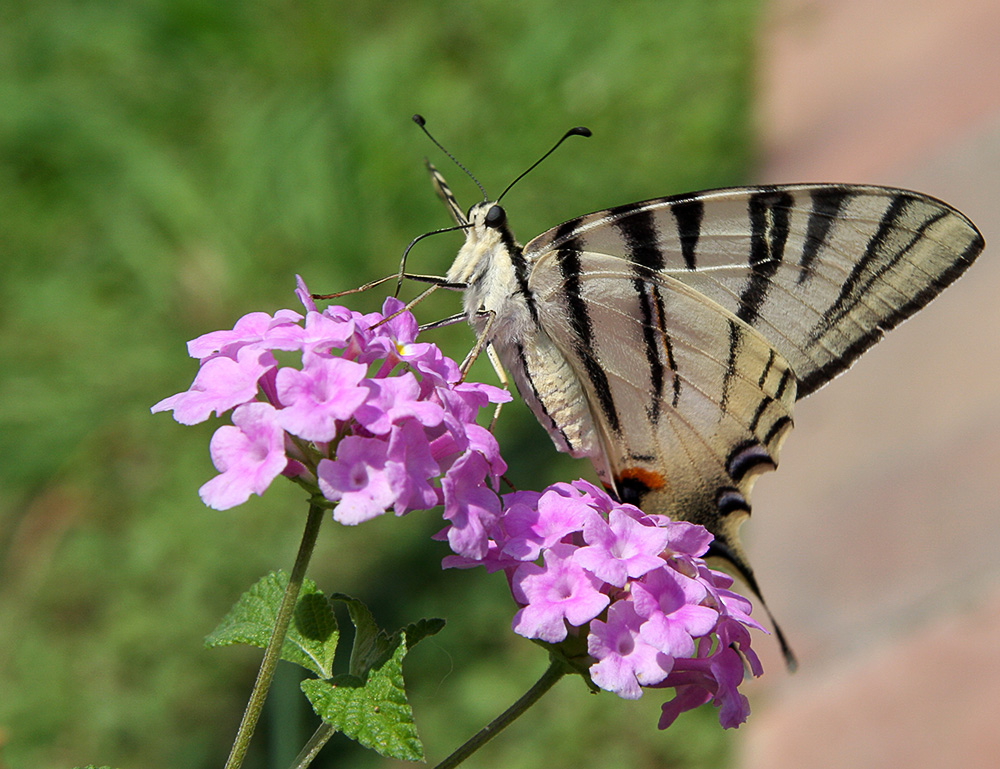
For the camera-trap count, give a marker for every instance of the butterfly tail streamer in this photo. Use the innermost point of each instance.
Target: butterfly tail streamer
(736, 562)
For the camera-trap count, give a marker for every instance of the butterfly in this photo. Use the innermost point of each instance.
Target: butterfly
(668, 340)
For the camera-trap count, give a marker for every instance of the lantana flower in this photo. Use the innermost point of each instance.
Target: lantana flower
(633, 586)
(369, 418)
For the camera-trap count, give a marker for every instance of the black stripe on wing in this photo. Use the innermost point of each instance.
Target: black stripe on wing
(637, 225)
(735, 340)
(767, 369)
(568, 259)
(637, 228)
(769, 211)
(651, 309)
(688, 213)
(827, 203)
(746, 457)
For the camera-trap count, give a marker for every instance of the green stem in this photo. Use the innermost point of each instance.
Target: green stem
(555, 671)
(316, 742)
(273, 652)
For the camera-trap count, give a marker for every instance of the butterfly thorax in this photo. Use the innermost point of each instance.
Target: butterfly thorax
(491, 266)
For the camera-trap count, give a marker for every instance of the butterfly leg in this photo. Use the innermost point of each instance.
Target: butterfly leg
(410, 305)
(451, 320)
(490, 316)
(420, 297)
(357, 290)
(491, 353)
(436, 280)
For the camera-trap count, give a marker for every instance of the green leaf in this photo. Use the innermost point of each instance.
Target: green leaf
(366, 633)
(373, 711)
(422, 629)
(312, 635)
(93, 766)
(369, 704)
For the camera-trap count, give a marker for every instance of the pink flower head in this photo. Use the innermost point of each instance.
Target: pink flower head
(254, 329)
(303, 295)
(470, 506)
(634, 585)
(713, 678)
(535, 524)
(318, 399)
(621, 547)
(670, 604)
(410, 466)
(222, 383)
(626, 662)
(357, 479)
(371, 419)
(330, 330)
(393, 400)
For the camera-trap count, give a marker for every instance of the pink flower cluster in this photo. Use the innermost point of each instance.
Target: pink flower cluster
(368, 420)
(372, 420)
(653, 613)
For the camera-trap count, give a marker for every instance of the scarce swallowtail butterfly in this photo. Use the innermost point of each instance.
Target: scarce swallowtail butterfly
(668, 340)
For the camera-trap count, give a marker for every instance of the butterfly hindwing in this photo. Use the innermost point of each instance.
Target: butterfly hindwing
(691, 403)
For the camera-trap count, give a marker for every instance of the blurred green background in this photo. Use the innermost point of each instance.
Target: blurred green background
(167, 166)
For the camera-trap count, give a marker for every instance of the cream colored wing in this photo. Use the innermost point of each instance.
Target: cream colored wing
(822, 271)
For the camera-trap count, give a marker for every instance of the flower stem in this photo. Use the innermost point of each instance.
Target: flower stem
(553, 673)
(316, 742)
(273, 651)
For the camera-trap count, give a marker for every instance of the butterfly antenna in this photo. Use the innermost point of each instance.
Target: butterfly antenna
(578, 131)
(419, 120)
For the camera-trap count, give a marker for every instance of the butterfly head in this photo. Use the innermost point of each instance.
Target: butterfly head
(495, 217)
(486, 219)
(489, 250)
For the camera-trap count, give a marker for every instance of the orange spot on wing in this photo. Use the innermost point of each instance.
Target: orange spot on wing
(648, 478)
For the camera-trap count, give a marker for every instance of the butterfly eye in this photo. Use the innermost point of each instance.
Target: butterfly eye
(495, 217)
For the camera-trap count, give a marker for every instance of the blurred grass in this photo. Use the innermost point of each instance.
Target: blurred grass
(167, 166)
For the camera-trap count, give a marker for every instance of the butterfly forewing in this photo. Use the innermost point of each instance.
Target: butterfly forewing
(822, 271)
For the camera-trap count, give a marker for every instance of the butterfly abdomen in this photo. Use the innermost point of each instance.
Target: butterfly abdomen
(553, 392)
